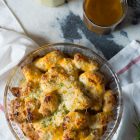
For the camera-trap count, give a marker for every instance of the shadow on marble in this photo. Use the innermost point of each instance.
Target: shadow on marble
(39, 40)
(73, 29)
(68, 0)
(133, 15)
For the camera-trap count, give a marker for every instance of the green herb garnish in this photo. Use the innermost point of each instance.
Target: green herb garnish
(61, 85)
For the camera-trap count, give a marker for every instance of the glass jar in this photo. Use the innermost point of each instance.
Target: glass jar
(98, 8)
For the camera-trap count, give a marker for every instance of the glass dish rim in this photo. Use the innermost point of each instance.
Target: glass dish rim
(13, 71)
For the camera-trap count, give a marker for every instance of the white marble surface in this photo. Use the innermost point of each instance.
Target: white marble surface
(64, 23)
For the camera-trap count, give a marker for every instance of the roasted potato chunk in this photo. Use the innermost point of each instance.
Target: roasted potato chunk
(48, 61)
(75, 121)
(98, 123)
(85, 64)
(53, 79)
(91, 137)
(49, 103)
(81, 101)
(69, 135)
(109, 101)
(16, 91)
(48, 82)
(25, 88)
(17, 110)
(32, 106)
(69, 67)
(29, 131)
(76, 101)
(31, 73)
(94, 83)
(85, 134)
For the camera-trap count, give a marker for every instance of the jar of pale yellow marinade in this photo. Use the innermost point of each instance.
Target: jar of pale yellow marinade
(52, 3)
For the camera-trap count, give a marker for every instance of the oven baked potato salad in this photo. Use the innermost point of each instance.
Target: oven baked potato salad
(62, 98)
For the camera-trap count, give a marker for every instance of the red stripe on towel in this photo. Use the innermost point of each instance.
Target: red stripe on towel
(129, 65)
(1, 107)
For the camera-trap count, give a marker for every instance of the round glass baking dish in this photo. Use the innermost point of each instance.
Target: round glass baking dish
(69, 49)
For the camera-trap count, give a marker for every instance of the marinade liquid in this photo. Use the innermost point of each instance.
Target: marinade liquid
(104, 12)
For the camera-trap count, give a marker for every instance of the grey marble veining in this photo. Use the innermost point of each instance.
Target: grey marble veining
(104, 43)
(64, 24)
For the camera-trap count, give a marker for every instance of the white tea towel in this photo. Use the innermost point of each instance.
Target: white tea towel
(127, 65)
(7, 19)
(15, 46)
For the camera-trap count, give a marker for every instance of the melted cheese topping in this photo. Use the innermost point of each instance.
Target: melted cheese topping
(58, 96)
